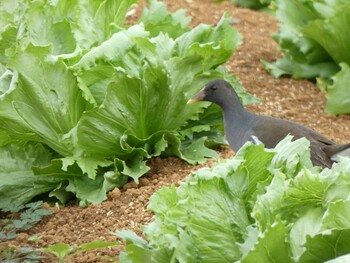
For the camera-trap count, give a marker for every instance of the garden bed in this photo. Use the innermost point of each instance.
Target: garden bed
(126, 208)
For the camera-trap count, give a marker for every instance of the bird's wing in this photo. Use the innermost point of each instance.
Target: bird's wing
(271, 131)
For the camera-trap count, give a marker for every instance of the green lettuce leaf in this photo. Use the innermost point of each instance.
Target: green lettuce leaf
(19, 184)
(326, 246)
(327, 33)
(267, 205)
(271, 246)
(338, 100)
(46, 98)
(157, 19)
(314, 45)
(103, 97)
(66, 25)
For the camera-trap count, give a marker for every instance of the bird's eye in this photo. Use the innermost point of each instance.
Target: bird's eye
(213, 87)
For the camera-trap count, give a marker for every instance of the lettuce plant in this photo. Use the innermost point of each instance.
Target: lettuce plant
(263, 205)
(85, 100)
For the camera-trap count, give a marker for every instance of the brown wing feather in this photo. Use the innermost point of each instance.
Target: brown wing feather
(274, 130)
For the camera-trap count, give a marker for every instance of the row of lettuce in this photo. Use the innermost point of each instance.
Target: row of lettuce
(85, 99)
(263, 205)
(314, 39)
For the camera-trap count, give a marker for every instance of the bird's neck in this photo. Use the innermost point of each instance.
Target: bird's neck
(236, 120)
(235, 115)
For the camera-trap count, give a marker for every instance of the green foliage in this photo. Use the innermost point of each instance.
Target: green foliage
(261, 206)
(63, 251)
(84, 101)
(29, 215)
(254, 4)
(157, 19)
(312, 38)
(16, 255)
(338, 100)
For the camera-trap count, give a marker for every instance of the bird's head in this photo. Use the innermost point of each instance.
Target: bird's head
(217, 91)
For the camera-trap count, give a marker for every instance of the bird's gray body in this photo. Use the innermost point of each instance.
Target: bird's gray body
(242, 126)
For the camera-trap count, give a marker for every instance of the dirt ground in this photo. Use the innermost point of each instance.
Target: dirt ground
(126, 208)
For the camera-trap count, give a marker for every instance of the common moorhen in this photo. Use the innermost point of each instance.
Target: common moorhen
(242, 126)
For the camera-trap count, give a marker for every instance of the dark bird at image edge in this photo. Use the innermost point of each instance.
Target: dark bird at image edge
(242, 126)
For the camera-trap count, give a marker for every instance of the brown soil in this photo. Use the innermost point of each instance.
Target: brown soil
(297, 100)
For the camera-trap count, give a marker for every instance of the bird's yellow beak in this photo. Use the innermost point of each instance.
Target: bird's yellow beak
(198, 97)
(191, 101)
